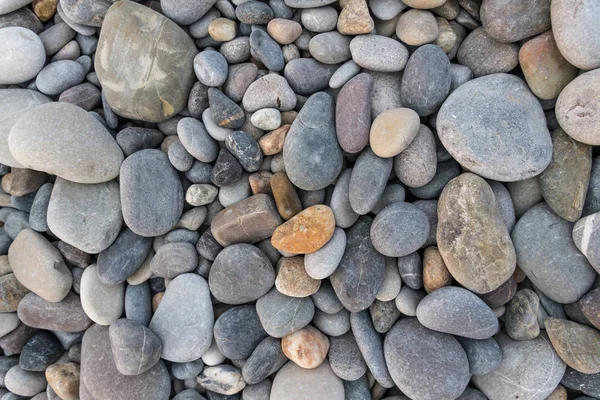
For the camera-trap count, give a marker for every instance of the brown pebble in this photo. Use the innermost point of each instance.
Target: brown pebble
(260, 182)
(64, 380)
(11, 293)
(306, 347)
(435, 273)
(288, 117)
(167, 141)
(45, 9)
(284, 31)
(287, 200)
(306, 232)
(519, 276)
(272, 142)
(222, 29)
(156, 299)
(292, 279)
(590, 307)
(22, 181)
(577, 345)
(560, 393)
(447, 37)
(355, 19)
(4, 265)
(5, 201)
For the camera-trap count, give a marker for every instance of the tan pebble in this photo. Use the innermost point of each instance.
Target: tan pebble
(292, 279)
(287, 200)
(447, 37)
(284, 31)
(435, 273)
(45, 9)
(64, 380)
(393, 130)
(307, 347)
(222, 29)
(417, 27)
(355, 19)
(306, 232)
(272, 142)
(287, 117)
(560, 393)
(22, 181)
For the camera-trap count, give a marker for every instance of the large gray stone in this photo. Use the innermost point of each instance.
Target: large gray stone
(151, 80)
(470, 126)
(184, 12)
(23, 55)
(345, 357)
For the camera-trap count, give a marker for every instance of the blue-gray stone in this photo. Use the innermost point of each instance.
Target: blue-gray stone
(238, 331)
(138, 303)
(484, 355)
(266, 359)
(59, 76)
(123, 257)
(266, 50)
(368, 181)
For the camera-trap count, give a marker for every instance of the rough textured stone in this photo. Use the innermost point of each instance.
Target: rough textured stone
(136, 86)
(576, 344)
(64, 140)
(330, 47)
(417, 356)
(306, 232)
(292, 279)
(417, 27)
(41, 351)
(355, 19)
(399, 230)
(11, 293)
(485, 102)
(269, 91)
(378, 53)
(64, 379)
(307, 384)
(508, 21)
(65, 316)
(281, 315)
(485, 55)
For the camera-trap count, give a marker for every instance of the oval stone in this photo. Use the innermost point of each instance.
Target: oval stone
(64, 140)
(368, 180)
(281, 315)
(66, 316)
(416, 165)
(307, 384)
(576, 344)
(306, 232)
(399, 229)
(352, 113)
(378, 53)
(102, 303)
(483, 145)
(238, 331)
(471, 235)
(24, 55)
(323, 262)
(135, 348)
(509, 21)
(136, 85)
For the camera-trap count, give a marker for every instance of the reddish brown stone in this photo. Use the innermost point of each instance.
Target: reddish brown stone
(353, 113)
(435, 273)
(577, 345)
(306, 232)
(64, 380)
(287, 200)
(519, 276)
(590, 307)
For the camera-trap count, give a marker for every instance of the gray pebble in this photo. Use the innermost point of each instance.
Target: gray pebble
(368, 181)
(281, 315)
(307, 75)
(266, 359)
(132, 139)
(332, 324)
(238, 331)
(59, 76)
(399, 230)
(378, 53)
(211, 68)
(345, 358)
(39, 208)
(123, 257)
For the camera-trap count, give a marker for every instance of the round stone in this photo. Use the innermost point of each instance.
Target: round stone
(211, 68)
(26, 383)
(238, 331)
(102, 303)
(24, 55)
(266, 119)
(521, 317)
(174, 259)
(307, 76)
(135, 348)
(281, 315)
(269, 91)
(123, 257)
(59, 76)
(332, 324)
(393, 130)
(378, 53)
(417, 27)
(64, 379)
(408, 300)
(486, 102)
(306, 232)
(484, 355)
(196, 140)
(293, 381)
(485, 55)
(330, 47)
(345, 358)
(399, 230)
(306, 347)
(355, 18)
(510, 22)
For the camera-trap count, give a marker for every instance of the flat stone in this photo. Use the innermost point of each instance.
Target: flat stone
(399, 230)
(359, 259)
(576, 108)
(433, 357)
(484, 355)
(41, 350)
(266, 50)
(411, 270)
(345, 358)
(184, 319)
(174, 259)
(281, 315)
(238, 331)
(368, 181)
(306, 232)
(269, 91)
(307, 384)
(544, 246)
(97, 205)
(564, 183)
(313, 133)
(378, 53)
(352, 113)
(532, 368)
(24, 383)
(64, 380)
(59, 76)
(123, 257)
(287, 200)
(326, 300)
(12, 292)
(306, 347)
(233, 282)
(509, 22)
(585, 383)
(266, 359)
(439, 311)
(142, 90)
(102, 303)
(100, 377)
(64, 140)
(576, 33)
(25, 55)
(133, 139)
(65, 316)
(529, 131)
(323, 262)
(31, 255)
(307, 76)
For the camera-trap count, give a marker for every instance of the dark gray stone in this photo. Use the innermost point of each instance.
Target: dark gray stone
(281, 315)
(510, 22)
(138, 303)
(586, 383)
(266, 359)
(399, 229)
(182, 235)
(501, 295)
(484, 355)
(199, 173)
(41, 351)
(22, 17)
(198, 100)
(135, 348)
(207, 246)
(325, 298)
(85, 95)
(254, 12)
(345, 357)
(123, 257)
(227, 169)
(332, 324)
(238, 331)
(225, 112)
(13, 342)
(384, 314)
(359, 259)
(188, 370)
(246, 149)
(411, 270)
(485, 55)
(307, 75)
(344, 215)
(266, 50)
(368, 181)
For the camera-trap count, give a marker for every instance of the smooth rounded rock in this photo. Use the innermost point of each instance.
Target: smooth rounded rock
(65, 316)
(485, 55)
(306, 232)
(399, 230)
(306, 347)
(281, 315)
(24, 55)
(393, 131)
(576, 344)
(269, 91)
(416, 165)
(345, 358)
(102, 303)
(307, 384)
(417, 27)
(510, 22)
(352, 115)
(238, 331)
(41, 350)
(378, 53)
(323, 262)
(24, 383)
(330, 47)
(368, 181)
(59, 76)
(135, 348)
(266, 359)
(123, 257)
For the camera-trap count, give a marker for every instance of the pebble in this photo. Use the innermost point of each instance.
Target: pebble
(222, 29)
(417, 27)
(102, 303)
(267, 50)
(435, 272)
(100, 377)
(245, 149)
(123, 257)
(530, 368)
(323, 262)
(384, 314)
(500, 95)
(576, 108)
(99, 207)
(62, 139)
(332, 324)
(10, 322)
(222, 379)
(355, 18)
(281, 315)
(184, 319)
(65, 316)
(292, 279)
(345, 358)
(330, 48)
(284, 31)
(254, 12)
(30, 256)
(353, 108)
(484, 355)
(234, 283)
(134, 139)
(269, 91)
(434, 357)
(135, 348)
(416, 165)
(144, 91)
(575, 344)
(306, 232)
(368, 181)
(307, 76)
(188, 370)
(312, 156)
(59, 76)
(64, 379)
(378, 53)
(484, 55)
(293, 381)
(392, 193)
(468, 199)
(24, 55)
(393, 131)
(306, 347)
(399, 230)
(408, 299)
(23, 17)
(266, 359)
(138, 299)
(56, 37)
(501, 295)
(211, 68)
(24, 383)
(41, 350)
(174, 259)
(506, 22)
(326, 300)
(266, 119)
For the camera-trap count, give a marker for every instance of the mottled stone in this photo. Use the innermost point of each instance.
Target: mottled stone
(485, 55)
(435, 272)
(281, 315)
(411, 270)
(345, 357)
(576, 344)
(355, 19)
(246, 150)
(269, 91)
(65, 316)
(287, 200)
(507, 21)
(11, 293)
(330, 47)
(501, 295)
(41, 350)
(306, 347)
(292, 279)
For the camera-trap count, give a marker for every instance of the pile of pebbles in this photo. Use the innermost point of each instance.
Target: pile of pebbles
(300, 199)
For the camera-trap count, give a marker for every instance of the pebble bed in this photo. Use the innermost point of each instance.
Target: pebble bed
(300, 199)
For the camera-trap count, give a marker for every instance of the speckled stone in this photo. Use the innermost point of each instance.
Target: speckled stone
(576, 344)
(511, 22)
(307, 384)
(378, 53)
(485, 55)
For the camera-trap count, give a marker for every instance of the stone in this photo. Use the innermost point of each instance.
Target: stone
(102, 303)
(332, 324)
(222, 379)
(326, 300)
(439, 311)
(307, 76)
(306, 347)
(25, 55)
(386, 10)
(225, 112)
(13, 343)
(133, 139)
(135, 348)
(143, 90)
(416, 165)
(292, 279)
(378, 53)
(41, 350)
(307, 384)
(266, 50)
(393, 131)
(25, 18)
(269, 91)
(319, 19)
(98, 206)
(588, 307)
(281, 315)
(65, 316)
(411, 270)
(312, 132)
(306, 232)
(32, 256)
(399, 230)
(245, 149)
(232, 282)
(24, 383)
(544, 246)
(408, 299)
(529, 131)
(370, 344)
(531, 369)
(9, 322)
(330, 48)
(138, 307)
(585, 383)
(100, 377)
(20, 182)
(484, 355)
(287, 200)
(511, 22)
(484, 55)
(355, 19)
(435, 272)
(256, 214)
(238, 331)
(416, 356)
(546, 70)
(576, 33)
(417, 27)
(252, 12)
(222, 29)
(368, 181)
(266, 119)
(564, 183)
(345, 358)
(424, 4)
(576, 108)
(575, 344)
(12, 292)
(501, 295)
(266, 359)
(284, 31)
(88, 13)
(64, 379)
(59, 76)
(196, 140)
(445, 172)
(353, 108)
(359, 259)
(174, 259)
(147, 174)
(62, 139)
(123, 257)
(323, 262)
(57, 36)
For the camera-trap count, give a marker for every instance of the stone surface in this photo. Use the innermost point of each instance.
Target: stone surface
(576, 344)
(184, 319)
(265, 360)
(529, 369)
(544, 248)
(378, 53)
(306, 232)
(393, 131)
(233, 282)
(352, 114)
(368, 181)
(355, 19)
(174, 259)
(307, 75)
(269, 91)
(416, 165)
(435, 272)
(65, 316)
(292, 279)
(11, 292)
(123, 257)
(62, 139)
(417, 356)
(64, 379)
(222, 379)
(330, 47)
(307, 384)
(102, 303)
(281, 315)
(59, 76)
(25, 55)
(135, 348)
(417, 27)
(468, 143)
(323, 262)
(484, 355)
(399, 230)
(24, 383)
(306, 347)
(345, 358)
(510, 22)
(138, 303)
(238, 331)
(41, 350)
(137, 86)
(485, 55)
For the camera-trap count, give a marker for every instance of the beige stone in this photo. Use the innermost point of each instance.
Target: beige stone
(417, 27)
(393, 130)
(435, 273)
(355, 19)
(292, 279)
(222, 29)
(64, 380)
(284, 31)
(307, 347)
